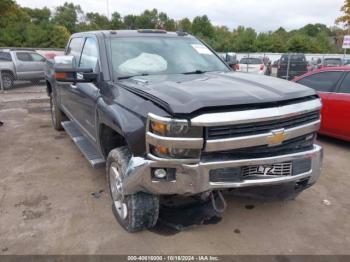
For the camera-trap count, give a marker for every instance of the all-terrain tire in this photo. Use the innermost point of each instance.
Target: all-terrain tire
(56, 114)
(142, 208)
(7, 80)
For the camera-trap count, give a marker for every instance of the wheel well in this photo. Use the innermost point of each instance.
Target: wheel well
(110, 139)
(8, 72)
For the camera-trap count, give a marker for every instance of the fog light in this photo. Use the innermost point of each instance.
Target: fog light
(160, 173)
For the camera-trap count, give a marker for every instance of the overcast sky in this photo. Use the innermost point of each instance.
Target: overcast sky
(262, 15)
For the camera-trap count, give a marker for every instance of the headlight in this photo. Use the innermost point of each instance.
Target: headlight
(175, 129)
(173, 138)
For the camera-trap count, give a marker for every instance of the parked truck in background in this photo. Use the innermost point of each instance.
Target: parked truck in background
(291, 65)
(17, 64)
(168, 117)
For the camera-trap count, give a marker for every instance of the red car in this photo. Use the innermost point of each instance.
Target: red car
(333, 86)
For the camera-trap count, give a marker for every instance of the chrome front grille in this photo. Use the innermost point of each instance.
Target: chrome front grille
(281, 169)
(256, 128)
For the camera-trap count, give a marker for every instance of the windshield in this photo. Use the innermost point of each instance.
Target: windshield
(251, 61)
(133, 56)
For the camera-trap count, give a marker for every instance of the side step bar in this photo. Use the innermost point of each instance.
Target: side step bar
(94, 157)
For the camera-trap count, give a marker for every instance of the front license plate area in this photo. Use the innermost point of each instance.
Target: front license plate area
(282, 169)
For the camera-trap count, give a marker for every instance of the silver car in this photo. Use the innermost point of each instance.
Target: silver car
(253, 65)
(16, 64)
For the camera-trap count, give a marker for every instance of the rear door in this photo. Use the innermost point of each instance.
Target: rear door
(29, 65)
(39, 64)
(339, 109)
(324, 83)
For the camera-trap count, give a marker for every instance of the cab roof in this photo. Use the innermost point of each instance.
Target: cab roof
(140, 32)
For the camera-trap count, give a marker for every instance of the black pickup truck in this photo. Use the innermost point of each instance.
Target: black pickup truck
(167, 116)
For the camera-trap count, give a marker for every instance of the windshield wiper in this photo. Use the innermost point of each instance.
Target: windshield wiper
(195, 72)
(127, 77)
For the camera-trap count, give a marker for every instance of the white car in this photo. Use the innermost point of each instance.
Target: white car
(254, 65)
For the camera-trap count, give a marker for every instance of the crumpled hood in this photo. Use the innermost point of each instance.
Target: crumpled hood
(184, 94)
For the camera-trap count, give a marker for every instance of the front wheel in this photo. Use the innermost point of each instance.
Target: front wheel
(133, 212)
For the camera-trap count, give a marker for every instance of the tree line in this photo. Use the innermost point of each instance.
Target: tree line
(41, 27)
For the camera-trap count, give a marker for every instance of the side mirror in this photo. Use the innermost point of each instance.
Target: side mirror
(66, 71)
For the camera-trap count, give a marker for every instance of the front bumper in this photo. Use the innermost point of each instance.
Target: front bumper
(194, 178)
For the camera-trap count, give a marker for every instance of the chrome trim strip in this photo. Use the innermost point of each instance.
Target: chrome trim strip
(258, 161)
(256, 115)
(166, 120)
(260, 182)
(258, 140)
(172, 160)
(174, 142)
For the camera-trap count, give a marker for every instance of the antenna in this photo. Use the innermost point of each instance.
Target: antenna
(107, 2)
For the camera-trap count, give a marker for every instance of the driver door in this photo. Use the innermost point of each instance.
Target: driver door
(85, 95)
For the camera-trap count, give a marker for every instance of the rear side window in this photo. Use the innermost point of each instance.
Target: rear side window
(24, 56)
(74, 48)
(345, 85)
(322, 82)
(4, 56)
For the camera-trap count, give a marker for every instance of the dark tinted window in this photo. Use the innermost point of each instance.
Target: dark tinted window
(4, 56)
(74, 48)
(323, 82)
(345, 85)
(294, 58)
(332, 61)
(251, 61)
(24, 56)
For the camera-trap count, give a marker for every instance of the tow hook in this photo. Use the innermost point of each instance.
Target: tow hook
(221, 199)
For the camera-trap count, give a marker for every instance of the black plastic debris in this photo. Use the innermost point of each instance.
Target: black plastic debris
(97, 194)
(1, 123)
(175, 219)
(249, 207)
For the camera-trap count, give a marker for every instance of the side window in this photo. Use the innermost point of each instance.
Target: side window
(322, 82)
(37, 57)
(24, 56)
(89, 56)
(74, 48)
(345, 85)
(4, 56)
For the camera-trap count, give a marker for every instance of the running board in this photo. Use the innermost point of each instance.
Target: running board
(94, 157)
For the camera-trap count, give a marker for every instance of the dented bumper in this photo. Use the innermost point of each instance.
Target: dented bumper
(196, 178)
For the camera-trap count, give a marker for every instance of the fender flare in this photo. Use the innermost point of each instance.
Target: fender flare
(129, 125)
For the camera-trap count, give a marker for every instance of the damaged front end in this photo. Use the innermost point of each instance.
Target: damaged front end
(234, 150)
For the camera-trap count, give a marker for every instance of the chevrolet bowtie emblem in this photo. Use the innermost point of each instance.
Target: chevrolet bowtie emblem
(277, 137)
